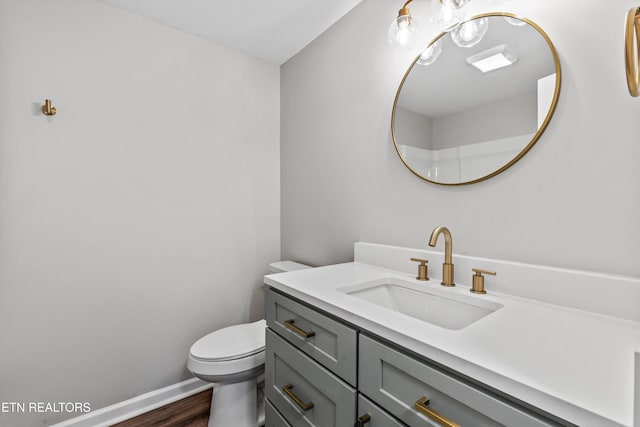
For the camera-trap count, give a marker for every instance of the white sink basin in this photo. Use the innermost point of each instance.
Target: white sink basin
(440, 307)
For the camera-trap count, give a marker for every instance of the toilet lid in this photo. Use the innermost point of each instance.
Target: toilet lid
(233, 342)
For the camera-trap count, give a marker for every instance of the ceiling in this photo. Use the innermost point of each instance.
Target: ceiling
(273, 30)
(450, 85)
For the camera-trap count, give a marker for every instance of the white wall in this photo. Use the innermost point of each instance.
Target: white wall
(572, 201)
(503, 119)
(139, 218)
(497, 120)
(413, 129)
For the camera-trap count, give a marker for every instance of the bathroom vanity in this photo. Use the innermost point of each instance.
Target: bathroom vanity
(367, 344)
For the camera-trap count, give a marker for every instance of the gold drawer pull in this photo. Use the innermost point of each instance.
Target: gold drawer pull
(363, 420)
(304, 334)
(304, 406)
(421, 405)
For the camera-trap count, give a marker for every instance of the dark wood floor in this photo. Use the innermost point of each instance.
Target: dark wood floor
(192, 411)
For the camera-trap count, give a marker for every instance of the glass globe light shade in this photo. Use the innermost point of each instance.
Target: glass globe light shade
(431, 53)
(447, 14)
(402, 31)
(470, 33)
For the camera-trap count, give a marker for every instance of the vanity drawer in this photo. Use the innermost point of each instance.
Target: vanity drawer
(273, 417)
(305, 393)
(370, 415)
(397, 382)
(330, 343)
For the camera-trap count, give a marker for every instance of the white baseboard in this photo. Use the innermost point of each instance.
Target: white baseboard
(135, 406)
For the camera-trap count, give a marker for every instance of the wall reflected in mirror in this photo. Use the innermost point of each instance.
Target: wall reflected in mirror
(476, 99)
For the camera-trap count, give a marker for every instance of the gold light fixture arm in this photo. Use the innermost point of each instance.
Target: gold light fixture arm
(632, 56)
(405, 10)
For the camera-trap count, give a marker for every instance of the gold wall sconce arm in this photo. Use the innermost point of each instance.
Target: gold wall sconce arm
(48, 109)
(632, 50)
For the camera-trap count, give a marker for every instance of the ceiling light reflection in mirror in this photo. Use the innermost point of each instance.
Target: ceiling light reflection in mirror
(472, 104)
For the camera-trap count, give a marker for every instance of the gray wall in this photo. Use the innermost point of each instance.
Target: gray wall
(512, 117)
(572, 201)
(139, 218)
(413, 128)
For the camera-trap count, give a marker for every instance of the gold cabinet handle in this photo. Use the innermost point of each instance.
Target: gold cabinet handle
(361, 421)
(289, 324)
(421, 405)
(304, 406)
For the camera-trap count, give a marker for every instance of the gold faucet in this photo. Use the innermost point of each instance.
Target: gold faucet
(447, 266)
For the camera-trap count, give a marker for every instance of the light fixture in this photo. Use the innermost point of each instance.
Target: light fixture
(402, 29)
(492, 59)
(470, 33)
(445, 14)
(431, 53)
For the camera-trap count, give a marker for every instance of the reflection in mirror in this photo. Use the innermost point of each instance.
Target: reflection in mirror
(476, 99)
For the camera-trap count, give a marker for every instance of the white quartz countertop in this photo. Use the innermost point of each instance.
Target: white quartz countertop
(576, 365)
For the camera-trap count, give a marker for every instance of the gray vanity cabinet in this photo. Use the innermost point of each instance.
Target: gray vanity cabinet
(321, 372)
(402, 385)
(305, 393)
(330, 343)
(274, 419)
(371, 415)
(310, 366)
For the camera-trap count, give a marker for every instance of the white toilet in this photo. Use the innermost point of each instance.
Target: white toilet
(233, 358)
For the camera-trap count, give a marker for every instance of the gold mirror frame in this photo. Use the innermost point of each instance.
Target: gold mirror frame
(632, 56)
(537, 135)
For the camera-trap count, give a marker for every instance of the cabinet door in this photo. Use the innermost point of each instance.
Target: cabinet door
(371, 415)
(273, 417)
(330, 343)
(305, 393)
(420, 395)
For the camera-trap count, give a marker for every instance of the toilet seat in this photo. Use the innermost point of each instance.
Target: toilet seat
(226, 359)
(230, 343)
(229, 351)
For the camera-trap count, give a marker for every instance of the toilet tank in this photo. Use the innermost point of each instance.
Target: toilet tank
(284, 266)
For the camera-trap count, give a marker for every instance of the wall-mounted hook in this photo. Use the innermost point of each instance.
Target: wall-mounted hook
(48, 109)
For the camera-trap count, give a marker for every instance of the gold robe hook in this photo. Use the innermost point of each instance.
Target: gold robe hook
(48, 109)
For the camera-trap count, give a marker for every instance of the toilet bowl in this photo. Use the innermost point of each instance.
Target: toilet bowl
(233, 358)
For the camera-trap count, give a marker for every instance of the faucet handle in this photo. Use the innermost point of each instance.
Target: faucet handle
(422, 269)
(478, 280)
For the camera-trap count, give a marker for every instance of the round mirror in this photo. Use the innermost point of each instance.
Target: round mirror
(476, 99)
